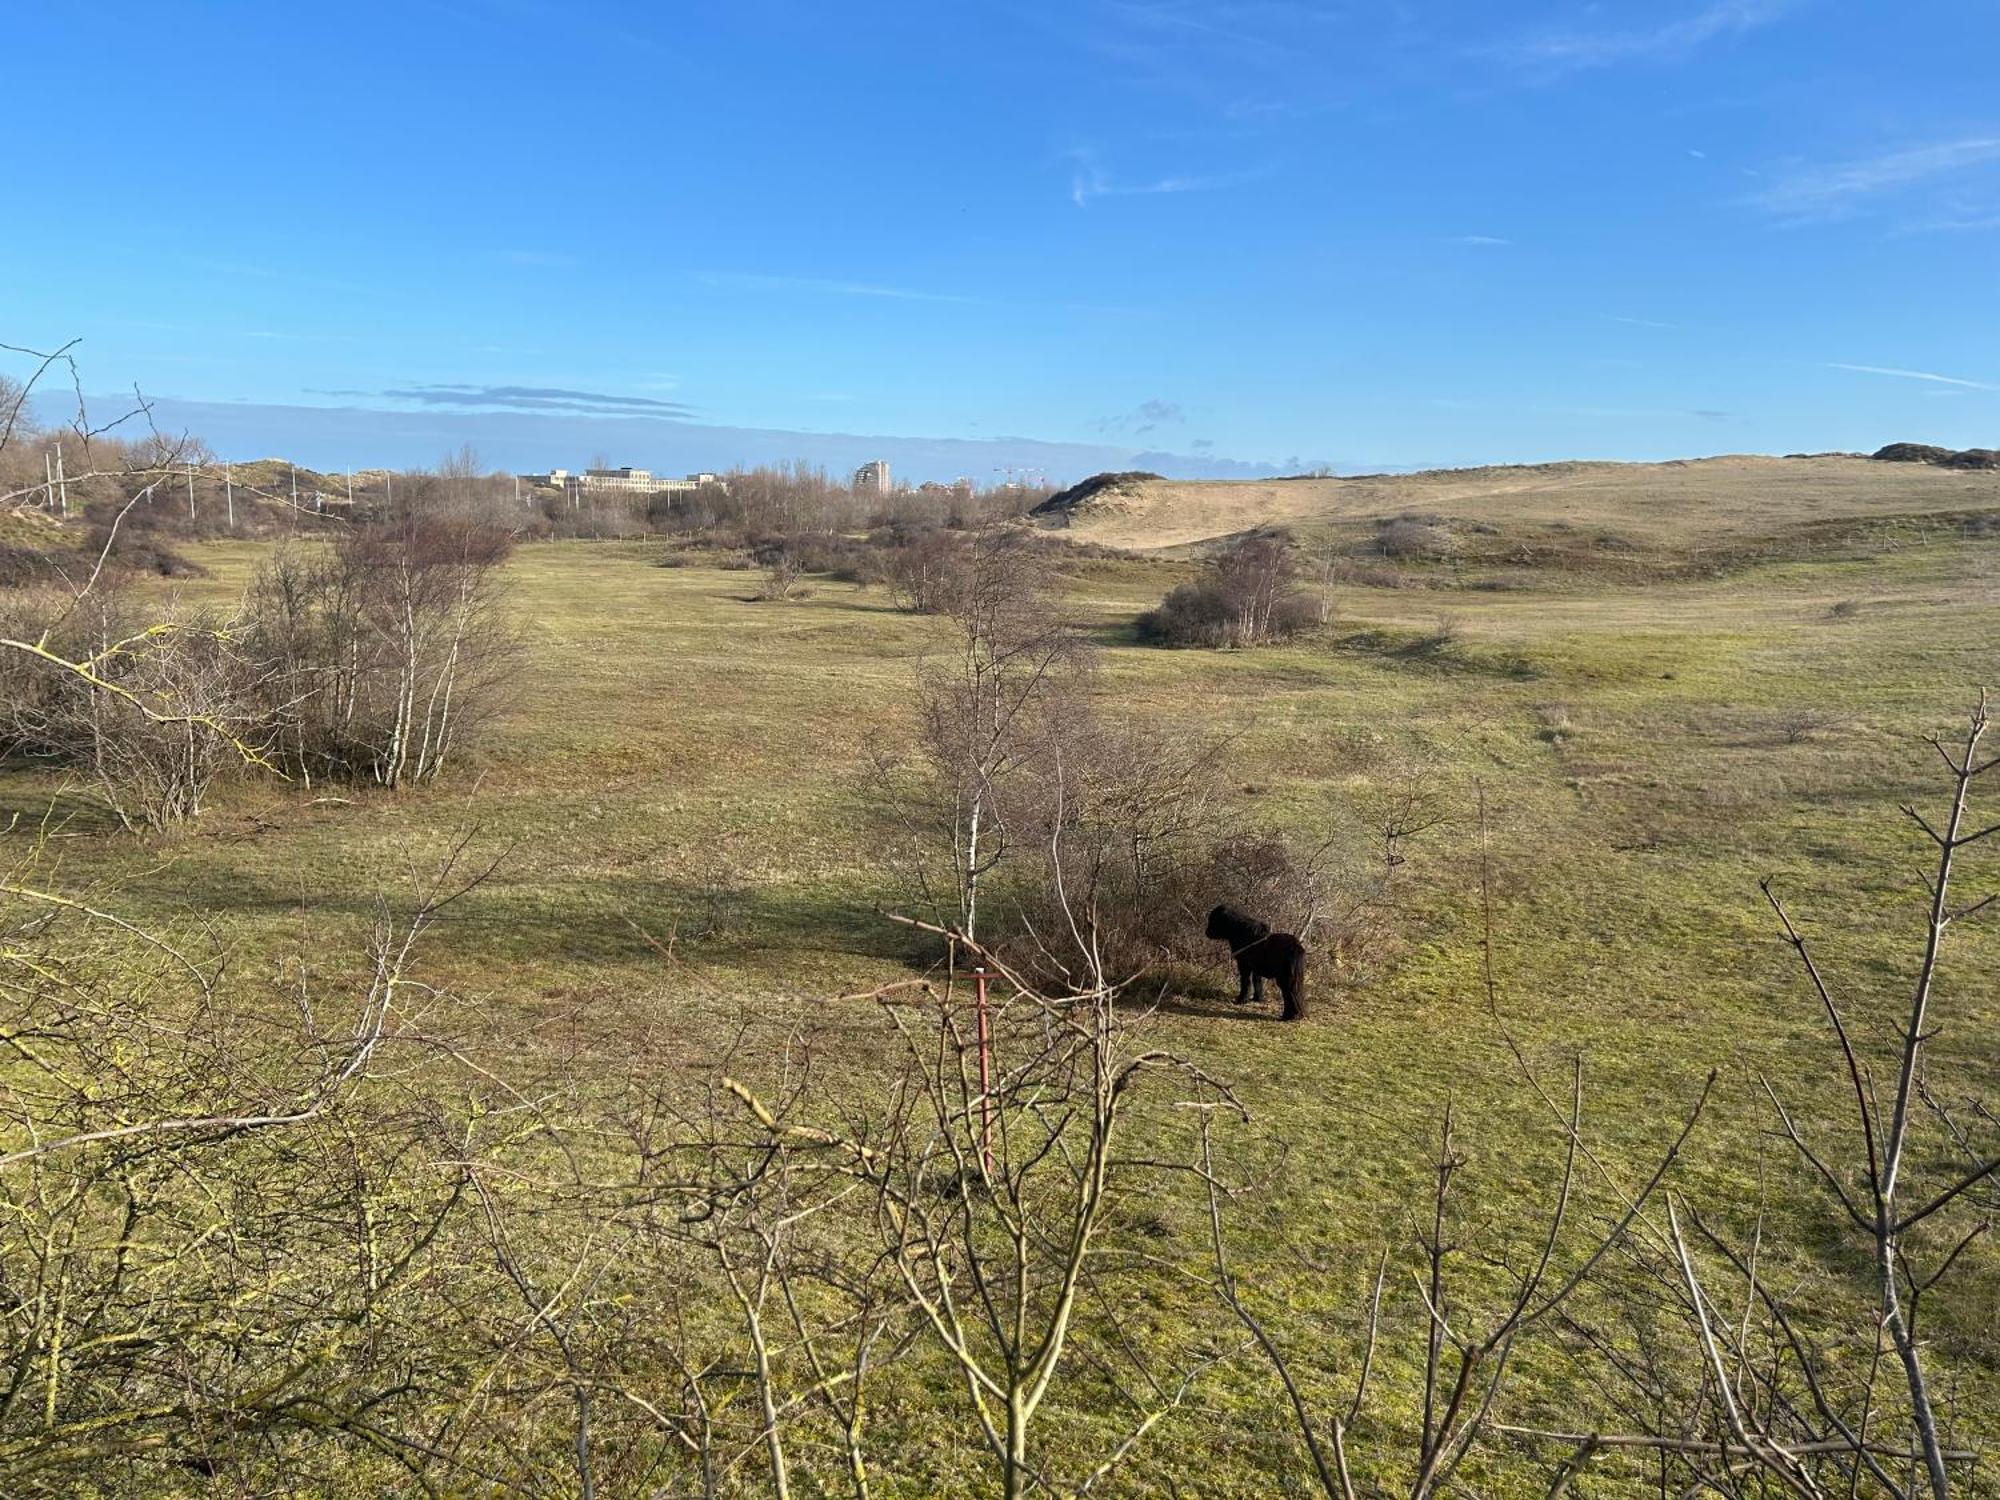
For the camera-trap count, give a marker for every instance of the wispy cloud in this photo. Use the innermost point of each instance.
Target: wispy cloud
(282, 274)
(1641, 322)
(541, 259)
(1089, 180)
(828, 286)
(1967, 222)
(1970, 385)
(1172, 18)
(525, 398)
(1479, 239)
(1671, 41)
(1830, 191)
(1243, 64)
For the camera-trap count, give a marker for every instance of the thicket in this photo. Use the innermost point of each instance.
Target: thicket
(1068, 841)
(1248, 594)
(376, 658)
(384, 654)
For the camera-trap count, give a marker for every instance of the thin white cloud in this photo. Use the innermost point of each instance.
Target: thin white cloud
(751, 281)
(1829, 191)
(1090, 181)
(1479, 239)
(1157, 16)
(1674, 41)
(1966, 223)
(542, 259)
(1643, 322)
(1970, 385)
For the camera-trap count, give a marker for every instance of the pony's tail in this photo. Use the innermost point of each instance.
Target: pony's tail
(1298, 984)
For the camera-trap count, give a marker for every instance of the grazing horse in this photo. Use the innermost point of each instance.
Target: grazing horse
(1262, 954)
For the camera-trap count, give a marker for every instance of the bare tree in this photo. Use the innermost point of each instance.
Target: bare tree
(988, 711)
(1902, 1200)
(1471, 1337)
(93, 454)
(1000, 1199)
(219, 1220)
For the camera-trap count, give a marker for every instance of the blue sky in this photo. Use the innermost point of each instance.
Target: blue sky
(1375, 233)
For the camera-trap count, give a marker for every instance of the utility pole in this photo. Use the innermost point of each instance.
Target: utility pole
(62, 482)
(49, 483)
(229, 494)
(350, 494)
(190, 489)
(295, 486)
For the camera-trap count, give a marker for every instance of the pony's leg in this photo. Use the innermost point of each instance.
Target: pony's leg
(1243, 983)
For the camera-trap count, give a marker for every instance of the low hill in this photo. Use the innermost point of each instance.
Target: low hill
(1671, 506)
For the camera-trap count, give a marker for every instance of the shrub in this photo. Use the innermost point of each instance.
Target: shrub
(781, 576)
(385, 655)
(1803, 722)
(150, 713)
(1971, 458)
(1412, 539)
(926, 569)
(1910, 453)
(1247, 595)
(1447, 628)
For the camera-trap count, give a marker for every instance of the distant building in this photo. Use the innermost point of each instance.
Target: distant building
(626, 479)
(872, 478)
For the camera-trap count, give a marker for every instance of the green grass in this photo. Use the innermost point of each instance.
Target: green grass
(685, 760)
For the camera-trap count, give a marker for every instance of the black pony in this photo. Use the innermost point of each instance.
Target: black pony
(1262, 954)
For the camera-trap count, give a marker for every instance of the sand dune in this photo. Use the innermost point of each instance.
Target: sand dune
(1665, 504)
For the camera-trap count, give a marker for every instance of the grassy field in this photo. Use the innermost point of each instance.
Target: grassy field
(683, 760)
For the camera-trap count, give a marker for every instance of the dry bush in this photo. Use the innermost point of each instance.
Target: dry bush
(385, 655)
(1414, 538)
(926, 568)
(782, 576)
(1248, 594)
(149, 713)
(1350, 570)
(223, 1201)
(848, 559)
(1803, 722)
(1070, 844)
(1447, 629)
(994, 1224)
(1554, 723)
